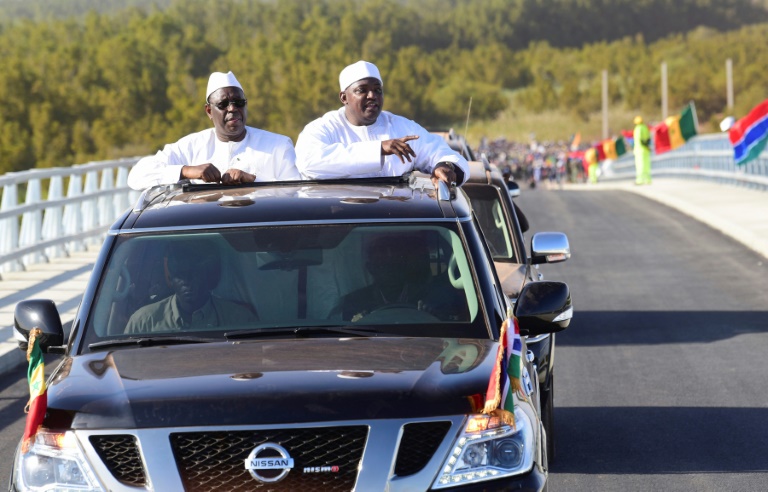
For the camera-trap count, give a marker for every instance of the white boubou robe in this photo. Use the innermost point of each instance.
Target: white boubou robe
(268, 156)
(331, 147)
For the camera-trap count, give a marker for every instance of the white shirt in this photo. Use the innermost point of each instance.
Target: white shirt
(331, 147)
(268, 156)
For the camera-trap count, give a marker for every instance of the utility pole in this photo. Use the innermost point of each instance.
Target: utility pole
(729, 83)
(605, 104)
(664, 103)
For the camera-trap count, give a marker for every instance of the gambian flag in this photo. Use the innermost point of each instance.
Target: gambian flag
(749, 134)
(38, 392)
(505, 378)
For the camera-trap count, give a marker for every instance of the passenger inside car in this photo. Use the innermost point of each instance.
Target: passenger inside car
(403, 277)
(192, 269)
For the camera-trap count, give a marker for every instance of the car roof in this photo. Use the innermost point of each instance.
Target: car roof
(411, 197)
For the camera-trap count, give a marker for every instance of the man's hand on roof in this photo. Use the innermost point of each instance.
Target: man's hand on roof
(206, 172)
(444, 172)
(237, 176)
(399, 147)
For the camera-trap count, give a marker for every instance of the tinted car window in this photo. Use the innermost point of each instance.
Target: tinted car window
(490, 215)
(351, 275)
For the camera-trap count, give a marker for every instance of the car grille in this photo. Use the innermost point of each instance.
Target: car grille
(121, 456)
(418, 445)
(215, 461)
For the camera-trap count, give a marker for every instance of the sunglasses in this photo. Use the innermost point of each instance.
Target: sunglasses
(224, 104)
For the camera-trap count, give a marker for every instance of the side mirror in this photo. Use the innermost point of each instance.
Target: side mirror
(513, 188)
(38, 313)
(544, 307)
(549, 247)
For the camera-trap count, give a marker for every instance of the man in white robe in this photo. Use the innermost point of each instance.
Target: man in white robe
(361, 140)
(229, 153)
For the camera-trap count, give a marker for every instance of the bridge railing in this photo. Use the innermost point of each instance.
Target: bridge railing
(703, 157)
(55, 225)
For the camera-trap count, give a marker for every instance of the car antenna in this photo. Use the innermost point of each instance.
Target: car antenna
(466, 125)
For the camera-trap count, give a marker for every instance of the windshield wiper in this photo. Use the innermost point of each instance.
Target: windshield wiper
(302, 331)
(150, 341)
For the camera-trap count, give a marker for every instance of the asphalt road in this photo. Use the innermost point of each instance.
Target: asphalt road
(660, 377)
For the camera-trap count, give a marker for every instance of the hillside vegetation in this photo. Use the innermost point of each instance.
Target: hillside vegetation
(85, 86)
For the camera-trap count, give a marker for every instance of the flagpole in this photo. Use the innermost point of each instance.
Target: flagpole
(664, 88)
(605, 104)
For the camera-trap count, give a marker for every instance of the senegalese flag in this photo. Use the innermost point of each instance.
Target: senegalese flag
(673, 131)
(750, 134)
(682, 127)
(505, 378)
(38, 392)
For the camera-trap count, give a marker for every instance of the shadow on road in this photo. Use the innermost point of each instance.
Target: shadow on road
(657, 440)
(605, 328)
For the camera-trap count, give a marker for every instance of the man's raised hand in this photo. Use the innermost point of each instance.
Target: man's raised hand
(399, 147)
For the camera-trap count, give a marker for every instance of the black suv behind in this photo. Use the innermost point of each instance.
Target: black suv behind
(289, 336)
(503, 225)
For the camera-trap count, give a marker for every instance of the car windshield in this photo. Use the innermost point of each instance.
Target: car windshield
(409, 280)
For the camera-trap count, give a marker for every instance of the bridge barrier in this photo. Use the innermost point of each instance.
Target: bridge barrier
(51, 226)
(707, 157)
(54, 225)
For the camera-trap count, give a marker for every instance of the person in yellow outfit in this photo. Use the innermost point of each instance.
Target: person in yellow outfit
(590, 156)
(642, 149)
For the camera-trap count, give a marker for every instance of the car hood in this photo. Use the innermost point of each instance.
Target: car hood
(258, 382)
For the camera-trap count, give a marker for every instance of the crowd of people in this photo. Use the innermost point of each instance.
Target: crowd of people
(536, 163)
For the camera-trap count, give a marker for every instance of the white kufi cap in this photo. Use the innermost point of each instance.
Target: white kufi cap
(217, 80)
(358, 71)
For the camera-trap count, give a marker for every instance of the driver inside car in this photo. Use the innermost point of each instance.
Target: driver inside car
(402, 279)
(192, 270)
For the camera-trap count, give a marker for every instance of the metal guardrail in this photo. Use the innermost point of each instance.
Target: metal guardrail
(702, 157)
(55, 225)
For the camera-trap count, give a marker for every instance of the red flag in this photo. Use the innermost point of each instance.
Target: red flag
(660, 135)
(600, 152)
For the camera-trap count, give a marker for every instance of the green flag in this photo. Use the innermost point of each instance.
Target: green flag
(689, 122)
(621, 148)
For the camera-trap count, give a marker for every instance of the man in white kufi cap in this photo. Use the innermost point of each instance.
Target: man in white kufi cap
(228, 153)
(361, 140)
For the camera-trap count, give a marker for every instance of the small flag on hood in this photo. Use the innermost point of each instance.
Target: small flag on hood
(505, 378)
(38, 391)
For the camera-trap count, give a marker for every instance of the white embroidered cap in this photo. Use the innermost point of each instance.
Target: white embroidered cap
(357, 71)
(217, 80)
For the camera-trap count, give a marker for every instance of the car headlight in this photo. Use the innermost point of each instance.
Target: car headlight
(54, 462)
(489, 450)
